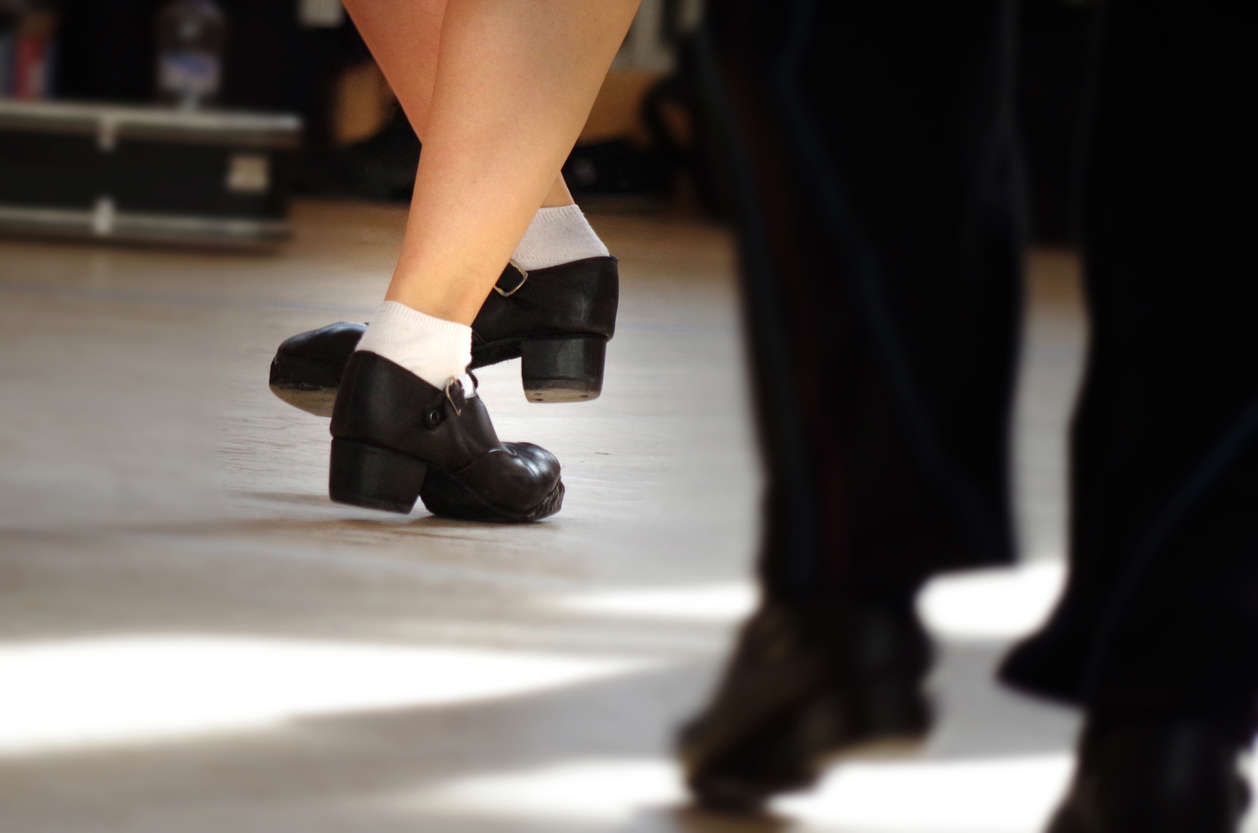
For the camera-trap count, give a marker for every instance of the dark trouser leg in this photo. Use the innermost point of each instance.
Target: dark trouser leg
(1160, 617)
(880, 222)
(881, 254)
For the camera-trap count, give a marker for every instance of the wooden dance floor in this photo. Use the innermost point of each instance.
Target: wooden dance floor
(193, 639)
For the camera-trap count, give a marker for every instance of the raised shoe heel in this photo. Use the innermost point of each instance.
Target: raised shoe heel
(367, 475)
(563, 369)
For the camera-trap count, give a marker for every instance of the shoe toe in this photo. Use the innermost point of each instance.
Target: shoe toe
(513, 483)
(333, 341)
(529, 480)
(536, 464)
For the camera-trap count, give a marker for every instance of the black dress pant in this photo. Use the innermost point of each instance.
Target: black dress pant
(880, 209)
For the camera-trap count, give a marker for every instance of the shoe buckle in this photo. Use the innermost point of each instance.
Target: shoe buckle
(524, 276)
(450, 385)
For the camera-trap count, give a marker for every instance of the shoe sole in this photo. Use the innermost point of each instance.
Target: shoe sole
(316, 401)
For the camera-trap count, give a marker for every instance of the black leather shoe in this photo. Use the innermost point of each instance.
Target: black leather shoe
(395, 438)
(556, 320)
(800, 689)
(1174, 778)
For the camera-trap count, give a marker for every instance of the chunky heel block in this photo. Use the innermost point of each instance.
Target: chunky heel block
(563, 369)
(367, 475)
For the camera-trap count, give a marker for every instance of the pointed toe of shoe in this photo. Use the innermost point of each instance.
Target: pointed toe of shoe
(307, 367)
(330, 345)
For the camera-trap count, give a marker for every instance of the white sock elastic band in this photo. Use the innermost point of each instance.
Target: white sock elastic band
(432, 348)
(558, 234)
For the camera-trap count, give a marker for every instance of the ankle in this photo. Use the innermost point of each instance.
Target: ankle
(557, 234)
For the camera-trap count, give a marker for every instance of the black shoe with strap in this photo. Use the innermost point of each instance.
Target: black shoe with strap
(1173, 777)
(557, 320)
(396, 438)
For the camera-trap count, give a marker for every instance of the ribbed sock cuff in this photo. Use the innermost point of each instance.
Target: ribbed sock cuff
(432, 348)
(557, 234)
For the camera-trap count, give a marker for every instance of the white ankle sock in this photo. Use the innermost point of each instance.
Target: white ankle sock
(435, 349)
(432, 348)
(558, 234)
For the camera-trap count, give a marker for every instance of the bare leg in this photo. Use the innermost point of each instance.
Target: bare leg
(405, 38)
(514, 82)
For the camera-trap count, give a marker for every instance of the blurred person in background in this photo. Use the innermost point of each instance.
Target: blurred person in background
(497, 262)
(881, 229)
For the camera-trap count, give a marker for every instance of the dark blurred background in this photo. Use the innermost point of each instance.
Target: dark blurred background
(643, 147)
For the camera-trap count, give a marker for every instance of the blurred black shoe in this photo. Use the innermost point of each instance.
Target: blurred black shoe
(800, 688)
(1175, 778)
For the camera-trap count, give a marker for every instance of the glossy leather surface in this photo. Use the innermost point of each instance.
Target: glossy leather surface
(383, 405)
(316, 358)
(577, 298)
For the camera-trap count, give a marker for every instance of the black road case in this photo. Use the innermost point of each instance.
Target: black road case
(150, 174)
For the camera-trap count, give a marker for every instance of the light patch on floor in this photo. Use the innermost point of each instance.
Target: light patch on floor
(990, 795)
(611, 790)
(714, 603)
(994, 795)
(1002, 603)
(77, 693)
